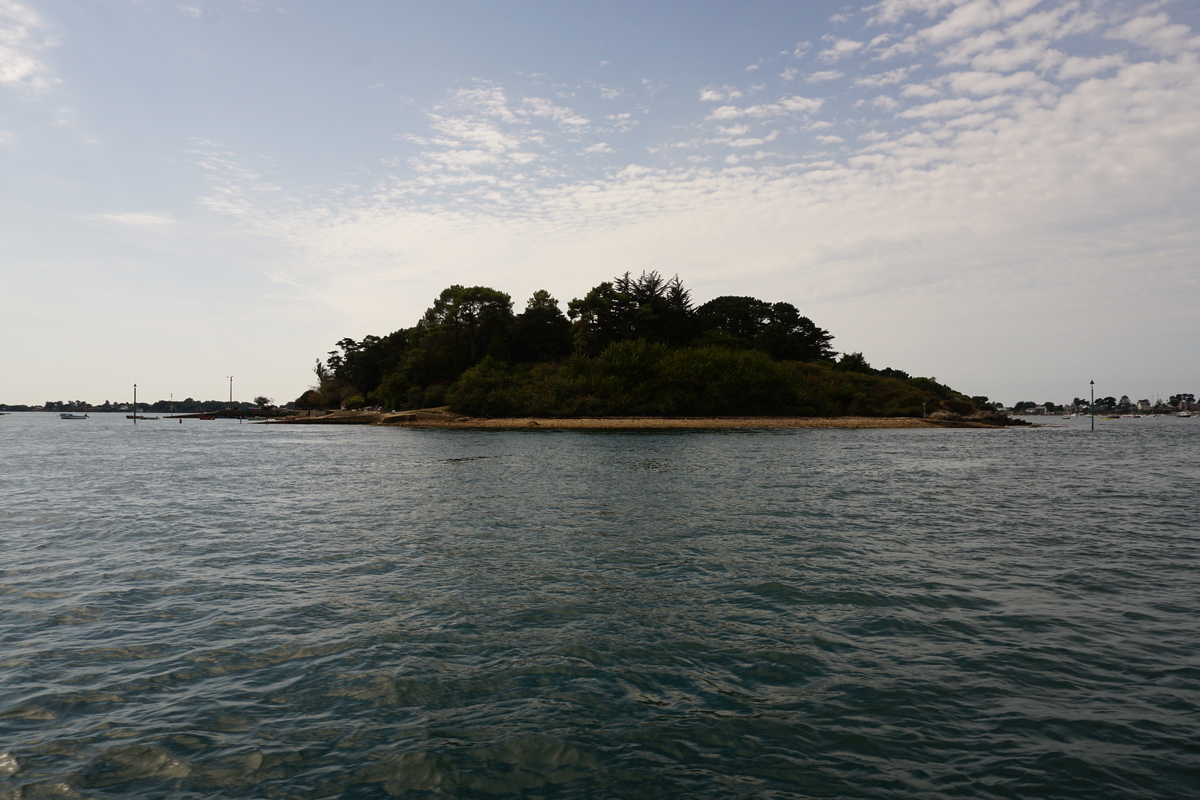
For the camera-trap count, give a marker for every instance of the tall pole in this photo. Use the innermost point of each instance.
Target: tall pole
(1093, 383)
(231, 390)
(135, 404)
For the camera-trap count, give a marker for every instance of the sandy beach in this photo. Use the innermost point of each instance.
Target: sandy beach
(647, 423)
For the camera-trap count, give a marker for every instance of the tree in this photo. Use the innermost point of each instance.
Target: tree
(854, 362)
(778, 329)
(476, 318)
(626, 308)
(1183, 401)
(262, 401)
(542, 332)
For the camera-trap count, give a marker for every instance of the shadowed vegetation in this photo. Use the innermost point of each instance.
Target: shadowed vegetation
(630, 346)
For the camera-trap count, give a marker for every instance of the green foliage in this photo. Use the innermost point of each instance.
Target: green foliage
(631, 346)
(854, 362)
(649, 378)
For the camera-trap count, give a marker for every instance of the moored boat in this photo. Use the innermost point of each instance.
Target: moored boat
(72, 416)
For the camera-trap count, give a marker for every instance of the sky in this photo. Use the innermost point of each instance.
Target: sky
(999, 194)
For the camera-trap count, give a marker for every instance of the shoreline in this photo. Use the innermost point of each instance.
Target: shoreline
(443, 419)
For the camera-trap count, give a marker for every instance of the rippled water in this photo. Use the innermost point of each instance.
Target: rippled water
(214, 609)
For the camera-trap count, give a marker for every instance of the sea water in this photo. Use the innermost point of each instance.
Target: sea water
(216, 609)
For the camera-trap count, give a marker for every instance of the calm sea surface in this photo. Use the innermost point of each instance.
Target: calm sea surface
(215, 609)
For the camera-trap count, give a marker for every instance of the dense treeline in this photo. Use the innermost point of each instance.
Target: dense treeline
(186, 406)
(630, 346)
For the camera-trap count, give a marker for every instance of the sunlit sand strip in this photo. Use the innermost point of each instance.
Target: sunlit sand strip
(644, 423)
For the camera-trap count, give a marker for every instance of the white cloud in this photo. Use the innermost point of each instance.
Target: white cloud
(7, 139)
(23, 35)
(918, 90)
(839, 49)
(785, 105)
(974, 187)
(1084, 67)
(540, 107)
(1159, 33)
(987, 83)
(718, 95)
(953, 107)
(883, 78)
(752, 67)
(889, 12)
(827, 75)
(726, 112)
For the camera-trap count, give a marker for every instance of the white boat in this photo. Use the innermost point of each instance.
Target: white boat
(72, 416)
(1184, 414)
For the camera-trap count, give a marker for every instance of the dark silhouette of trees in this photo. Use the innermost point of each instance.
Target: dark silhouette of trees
(629, 344)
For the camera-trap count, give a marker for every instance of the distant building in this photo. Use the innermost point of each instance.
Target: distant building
(1144, 405)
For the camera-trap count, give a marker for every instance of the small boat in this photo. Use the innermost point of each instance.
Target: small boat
(72, 416)
(138, 416)
(1184, 414)
(205, 416)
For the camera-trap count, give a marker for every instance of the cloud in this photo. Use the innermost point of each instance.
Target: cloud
(827, 75)
(7, 139)
(1021, 168)
(23, 35)
(1159, 33)
(889, 12)
(565, 117)
(718, 95)
(883, 78)
(785, 105)
(1084, 67)
(137, 219)
(953, 107)
(838, 49)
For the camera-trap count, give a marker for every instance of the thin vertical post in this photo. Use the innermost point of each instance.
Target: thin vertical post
(1093, 383)
(135, 404)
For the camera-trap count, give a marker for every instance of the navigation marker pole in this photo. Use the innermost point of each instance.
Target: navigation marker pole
(135, 404)
(1093, 383)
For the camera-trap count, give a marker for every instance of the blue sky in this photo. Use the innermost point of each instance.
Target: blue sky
(998, 193)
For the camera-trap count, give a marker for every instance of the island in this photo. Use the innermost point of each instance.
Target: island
(632, 352)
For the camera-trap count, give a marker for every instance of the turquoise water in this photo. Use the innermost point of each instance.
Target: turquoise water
(215, 609)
